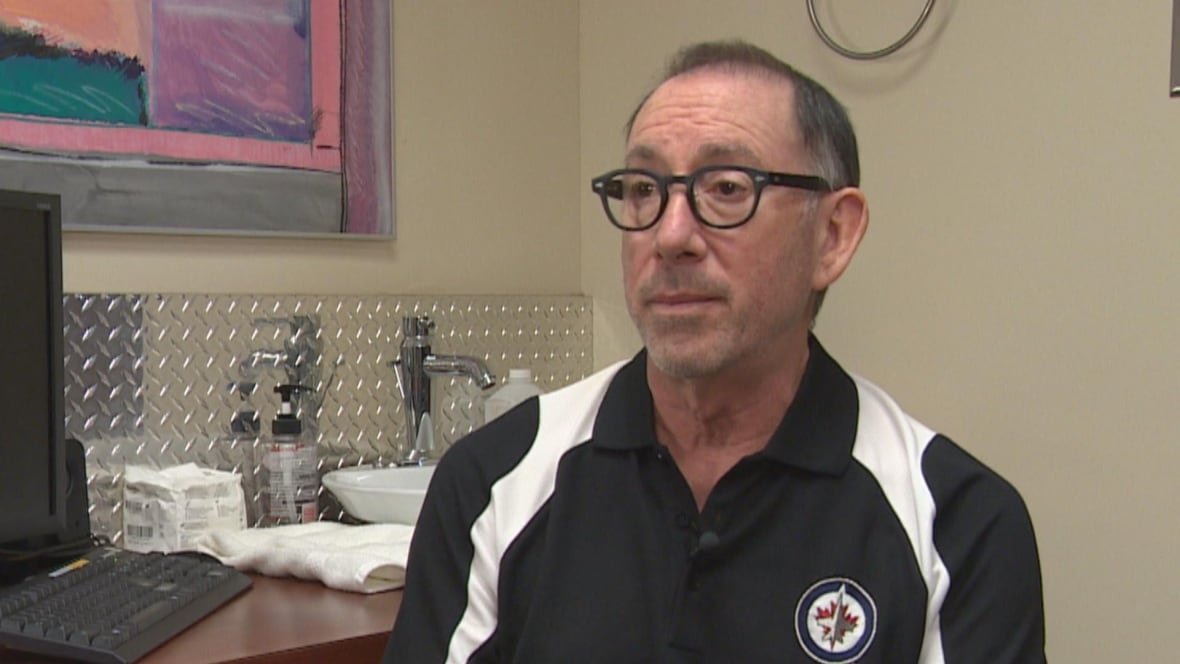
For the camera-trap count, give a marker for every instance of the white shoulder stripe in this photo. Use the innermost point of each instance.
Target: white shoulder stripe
(890, 444)
(567, 420)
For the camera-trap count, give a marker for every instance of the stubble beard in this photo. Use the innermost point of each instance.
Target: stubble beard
(685, 346)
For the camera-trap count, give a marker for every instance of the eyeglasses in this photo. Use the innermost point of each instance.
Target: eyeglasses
(719, 196)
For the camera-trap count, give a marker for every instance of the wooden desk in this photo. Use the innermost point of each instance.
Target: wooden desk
(281, 620)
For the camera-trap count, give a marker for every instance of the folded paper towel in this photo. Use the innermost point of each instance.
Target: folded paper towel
(365, 559)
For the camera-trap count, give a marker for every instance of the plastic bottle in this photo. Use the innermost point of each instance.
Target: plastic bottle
(289, 477)
(517, 388)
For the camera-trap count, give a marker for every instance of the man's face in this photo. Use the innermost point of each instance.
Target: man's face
(708, 299)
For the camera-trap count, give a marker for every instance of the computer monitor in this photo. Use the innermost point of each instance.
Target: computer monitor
(32, 442)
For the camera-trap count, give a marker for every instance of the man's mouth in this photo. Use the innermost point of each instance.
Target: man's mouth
(681, 300)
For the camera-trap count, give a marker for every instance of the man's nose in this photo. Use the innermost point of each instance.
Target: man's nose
(678, 231)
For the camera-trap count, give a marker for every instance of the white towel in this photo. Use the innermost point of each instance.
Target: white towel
(368, 558)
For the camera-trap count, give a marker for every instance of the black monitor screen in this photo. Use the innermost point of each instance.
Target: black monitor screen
(32, 448)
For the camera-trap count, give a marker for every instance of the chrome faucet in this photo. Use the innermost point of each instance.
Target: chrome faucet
(415, 364)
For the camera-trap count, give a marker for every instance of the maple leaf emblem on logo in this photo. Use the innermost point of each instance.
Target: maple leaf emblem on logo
(836, 620)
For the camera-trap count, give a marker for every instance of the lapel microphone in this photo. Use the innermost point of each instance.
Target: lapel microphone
(707, 541)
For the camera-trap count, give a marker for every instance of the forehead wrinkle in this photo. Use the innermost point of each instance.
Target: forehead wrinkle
(712, 118)
(707, 153)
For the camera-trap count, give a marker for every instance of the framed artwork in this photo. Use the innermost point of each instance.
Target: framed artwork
(1175, 83)
(201, 116)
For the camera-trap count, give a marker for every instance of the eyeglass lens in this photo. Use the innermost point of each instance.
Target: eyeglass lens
(721, 197)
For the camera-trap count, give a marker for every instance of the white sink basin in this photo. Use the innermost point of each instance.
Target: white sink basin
(381, 495)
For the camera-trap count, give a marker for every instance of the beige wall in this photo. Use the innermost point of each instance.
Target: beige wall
(486, 162)
(1017, 288)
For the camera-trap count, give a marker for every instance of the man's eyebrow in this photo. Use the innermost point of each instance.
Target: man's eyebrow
(640, 153)
(716, 151)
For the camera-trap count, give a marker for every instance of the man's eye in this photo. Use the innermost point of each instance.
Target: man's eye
(640, 189)
(728, 189)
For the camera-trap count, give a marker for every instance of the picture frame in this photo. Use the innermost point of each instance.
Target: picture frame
(202, 116)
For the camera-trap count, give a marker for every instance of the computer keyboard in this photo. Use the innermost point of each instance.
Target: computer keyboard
(113, 605)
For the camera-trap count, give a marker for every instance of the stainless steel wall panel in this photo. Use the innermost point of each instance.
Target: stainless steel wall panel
(156, 378)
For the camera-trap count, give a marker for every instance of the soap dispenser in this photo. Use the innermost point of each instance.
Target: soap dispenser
(289, 475)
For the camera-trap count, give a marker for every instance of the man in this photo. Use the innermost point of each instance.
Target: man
(730, 494)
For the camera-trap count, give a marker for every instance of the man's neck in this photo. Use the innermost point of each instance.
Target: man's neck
(711, 423)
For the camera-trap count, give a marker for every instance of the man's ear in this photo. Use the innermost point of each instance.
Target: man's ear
(843, 219)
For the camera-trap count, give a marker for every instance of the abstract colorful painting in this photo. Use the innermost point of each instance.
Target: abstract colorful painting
(98, 76)
(181, 102)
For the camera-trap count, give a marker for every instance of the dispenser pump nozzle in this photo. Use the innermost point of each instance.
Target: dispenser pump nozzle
(286, 422)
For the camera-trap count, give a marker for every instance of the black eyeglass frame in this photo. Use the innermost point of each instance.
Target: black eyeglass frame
(761, 179)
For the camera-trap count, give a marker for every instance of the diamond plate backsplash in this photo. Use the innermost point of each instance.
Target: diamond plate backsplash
(158, 379)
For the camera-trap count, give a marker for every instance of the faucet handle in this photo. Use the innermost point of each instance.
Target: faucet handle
(417, 326)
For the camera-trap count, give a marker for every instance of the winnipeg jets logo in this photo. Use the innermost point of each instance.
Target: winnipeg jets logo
(836, 621)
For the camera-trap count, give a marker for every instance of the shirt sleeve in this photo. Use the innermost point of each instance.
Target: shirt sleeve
(438, 568)
(993, 612)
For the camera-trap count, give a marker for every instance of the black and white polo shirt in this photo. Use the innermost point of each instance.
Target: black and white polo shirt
(564, 532)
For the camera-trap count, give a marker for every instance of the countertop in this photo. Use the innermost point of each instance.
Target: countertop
(280, 620)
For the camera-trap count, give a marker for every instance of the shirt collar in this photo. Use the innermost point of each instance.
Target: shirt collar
(816, 433)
